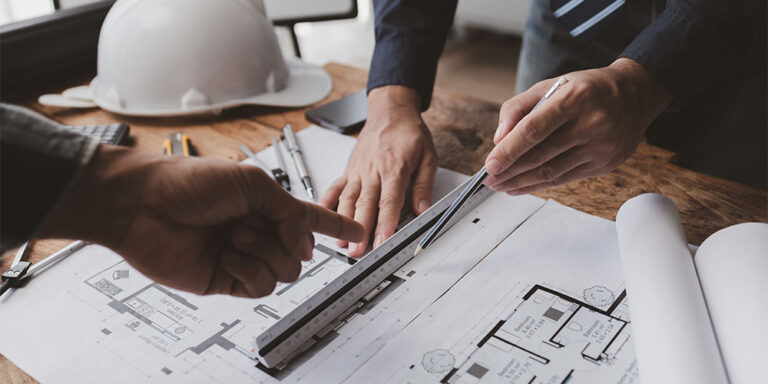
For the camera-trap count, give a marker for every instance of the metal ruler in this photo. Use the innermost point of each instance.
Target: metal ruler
(280, 342)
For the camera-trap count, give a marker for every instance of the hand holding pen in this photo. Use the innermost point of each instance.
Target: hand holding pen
(593, 124)
(474, 185)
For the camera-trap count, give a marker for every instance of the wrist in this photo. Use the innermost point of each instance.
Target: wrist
(393, 107)
(649, 94)
(394, 97)
(100, 204)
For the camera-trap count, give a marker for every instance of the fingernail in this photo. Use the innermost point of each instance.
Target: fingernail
(354, 248)
(379, 240)
(489, 180)
(423, 205)
(513, 193)
(311, 252)
(497, 135)
(493, 167)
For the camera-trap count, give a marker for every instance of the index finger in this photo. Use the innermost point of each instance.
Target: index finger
(327, 222)
(529, 132)
(516, 108)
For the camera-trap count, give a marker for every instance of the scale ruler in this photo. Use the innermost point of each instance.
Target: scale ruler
(281, 341)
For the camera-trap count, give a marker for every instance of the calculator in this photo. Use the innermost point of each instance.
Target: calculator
(113, 134)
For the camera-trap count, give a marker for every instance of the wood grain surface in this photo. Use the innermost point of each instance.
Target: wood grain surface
(462, 128)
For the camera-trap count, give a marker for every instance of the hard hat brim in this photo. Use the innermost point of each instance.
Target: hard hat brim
(306, 85)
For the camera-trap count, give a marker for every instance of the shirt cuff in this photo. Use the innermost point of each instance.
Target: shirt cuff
(396, 62)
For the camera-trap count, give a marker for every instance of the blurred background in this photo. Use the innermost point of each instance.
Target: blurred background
(480, 58)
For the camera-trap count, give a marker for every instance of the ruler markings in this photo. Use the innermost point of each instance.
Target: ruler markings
(277, 343)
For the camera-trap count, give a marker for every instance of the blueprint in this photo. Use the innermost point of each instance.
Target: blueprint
(93, 318)
(533, 311)
(519, 290)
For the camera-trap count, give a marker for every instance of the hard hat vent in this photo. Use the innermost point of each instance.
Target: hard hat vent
(194, 98)
(113, 97)
(271, 82)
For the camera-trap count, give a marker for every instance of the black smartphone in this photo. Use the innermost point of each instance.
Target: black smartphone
(346, 115)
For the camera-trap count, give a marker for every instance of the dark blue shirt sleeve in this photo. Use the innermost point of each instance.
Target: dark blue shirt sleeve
(410, 35)
(39, 161)
(692, 40)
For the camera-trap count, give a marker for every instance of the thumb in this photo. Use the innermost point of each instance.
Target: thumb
(514, 109)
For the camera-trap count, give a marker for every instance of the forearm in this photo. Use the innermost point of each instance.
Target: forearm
(693, 40)
(410, 36)
(39, 163)
(101, 203)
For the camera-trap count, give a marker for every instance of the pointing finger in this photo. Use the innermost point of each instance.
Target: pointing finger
(327, 222)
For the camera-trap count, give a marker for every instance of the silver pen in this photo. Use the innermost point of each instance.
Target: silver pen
(298, 159)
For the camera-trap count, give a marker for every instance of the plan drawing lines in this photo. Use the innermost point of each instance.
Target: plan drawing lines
(548, 337)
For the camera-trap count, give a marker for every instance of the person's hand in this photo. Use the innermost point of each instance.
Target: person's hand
(589, 126)
(201, 225)
(394, 149)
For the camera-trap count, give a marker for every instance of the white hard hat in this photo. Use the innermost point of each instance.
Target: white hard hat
(178, 57)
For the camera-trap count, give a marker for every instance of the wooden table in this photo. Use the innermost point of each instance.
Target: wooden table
(462, 128)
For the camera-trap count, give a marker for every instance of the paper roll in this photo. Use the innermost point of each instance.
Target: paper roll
(733, 269)
(673, 334)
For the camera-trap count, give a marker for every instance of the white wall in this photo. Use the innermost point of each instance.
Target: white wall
(15, 10)
(74, 3)
(505, 16)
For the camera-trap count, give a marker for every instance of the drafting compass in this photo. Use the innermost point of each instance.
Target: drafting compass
(22, 270)
(278, 173)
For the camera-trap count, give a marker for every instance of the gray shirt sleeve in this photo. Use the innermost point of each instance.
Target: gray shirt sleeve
(39, 161)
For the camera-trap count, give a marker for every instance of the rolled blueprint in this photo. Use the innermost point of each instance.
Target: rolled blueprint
(673, 334)
(732, 266)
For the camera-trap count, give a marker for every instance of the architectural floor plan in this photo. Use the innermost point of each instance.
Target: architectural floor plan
(532, 311)
(547, 338)
(519, 290)
(464, 311)
(176, 325)
(95, 307)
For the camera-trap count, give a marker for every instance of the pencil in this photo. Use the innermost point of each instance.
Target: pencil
(474, 185)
